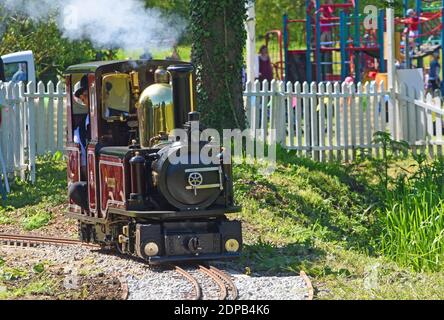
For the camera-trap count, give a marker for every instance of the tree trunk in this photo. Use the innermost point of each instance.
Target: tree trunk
(218, 32)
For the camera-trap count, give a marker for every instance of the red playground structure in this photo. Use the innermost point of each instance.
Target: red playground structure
(336, 43)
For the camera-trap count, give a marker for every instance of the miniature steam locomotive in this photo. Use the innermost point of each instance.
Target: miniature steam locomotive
(123, 187)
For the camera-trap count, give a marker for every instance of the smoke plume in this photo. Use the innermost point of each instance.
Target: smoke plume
(123, 24)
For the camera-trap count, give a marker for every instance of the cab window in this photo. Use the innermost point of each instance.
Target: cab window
(116, 97)
(78, 106)
(16, 72)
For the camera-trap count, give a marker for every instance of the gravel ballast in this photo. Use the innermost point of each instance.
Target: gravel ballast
(147, 283)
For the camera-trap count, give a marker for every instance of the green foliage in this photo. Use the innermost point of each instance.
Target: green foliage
(38, 268)
(413, 218)
(58, 156)
(31, 205)
(303, 198)
(392, 151)
(179, 7)
(36, 218)
(326, 219)
(5, 217)
(49, 189)
(20, 283)
(218, 35)
(52, 53)
(9, 274)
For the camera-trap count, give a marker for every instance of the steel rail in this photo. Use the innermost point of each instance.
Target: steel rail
(227, 278)
(309, 285)
(192, 280)
(30, 240)
(223, 289)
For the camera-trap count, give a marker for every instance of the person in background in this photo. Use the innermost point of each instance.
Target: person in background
(244, 76)
(20, 75)
(426, 78)
(411, 31)
(435, 67)
(327, 12)
(311, 9)
(311, 12)
(265, 66)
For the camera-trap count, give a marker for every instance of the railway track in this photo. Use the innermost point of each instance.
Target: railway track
(227, 290)
(33, 241)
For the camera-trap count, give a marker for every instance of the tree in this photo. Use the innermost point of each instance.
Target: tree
(218, 34)
(179, 7)
(52, 52)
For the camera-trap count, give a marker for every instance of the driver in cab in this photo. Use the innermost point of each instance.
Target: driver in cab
(112, 112)
(82, 128)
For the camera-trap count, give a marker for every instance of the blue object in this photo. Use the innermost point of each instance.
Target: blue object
(419, 40)
(308, 39)
(442, 37)
(343, 43)
(357, 42)
(285, 19)
(434, 70)
(381, 25)
(318, 41)
(2, 188)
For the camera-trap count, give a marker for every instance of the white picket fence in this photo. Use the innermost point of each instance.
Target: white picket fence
(332, 121)
(324, 121)
(33, 123)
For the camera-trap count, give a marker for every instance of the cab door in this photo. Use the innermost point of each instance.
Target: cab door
(93, 151)
(72, 149)
(75, 113)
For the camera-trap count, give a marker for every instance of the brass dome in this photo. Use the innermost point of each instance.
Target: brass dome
(156, 110)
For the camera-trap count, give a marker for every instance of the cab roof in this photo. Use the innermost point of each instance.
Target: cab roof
(91, 67)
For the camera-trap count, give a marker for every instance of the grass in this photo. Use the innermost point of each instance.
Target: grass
(183, 50)
(18, 282)
(325, 219)
(30, 205)
(414, 219)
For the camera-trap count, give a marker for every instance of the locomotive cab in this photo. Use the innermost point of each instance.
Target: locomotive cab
(125, 186)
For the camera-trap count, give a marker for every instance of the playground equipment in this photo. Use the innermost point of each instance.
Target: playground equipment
(429, 36)
(336, 43)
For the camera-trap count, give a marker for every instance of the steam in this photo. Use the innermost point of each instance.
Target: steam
(123, 24)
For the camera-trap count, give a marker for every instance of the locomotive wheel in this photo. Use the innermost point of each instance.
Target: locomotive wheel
(119, 248)
(119, 242)
(85, 232)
